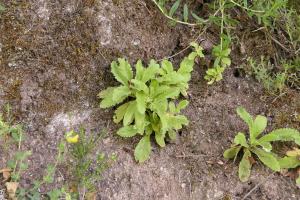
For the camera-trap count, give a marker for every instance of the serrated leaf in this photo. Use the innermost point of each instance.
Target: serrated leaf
(178, 121)
(185, 12)
(160, 139)
(240, 138)
(232, 152)
(245, 116)
(151, 71)
(186, 66)
(143, 149)
(122, 72)
(107, 98)
(289, 162)
(120, 94)
(127, 131)
(120, 112)
(267, 158)
(174, 8)
(129, 114)
(283, 134)
(245, 166)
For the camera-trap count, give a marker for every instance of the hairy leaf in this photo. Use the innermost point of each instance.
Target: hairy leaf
(127, 131)
(129, 114)
(232, 152)
(172, 134)
(245, 166)
(139, 70)
(259, 125)
(143, 149)
(267, 158)
(120, 112)
(245, 116)
(122, 72)
(141, 102)
(107, 98)
(283, 134)
(160, 139)
(151, 71)
(289, 162)
(120, 94)
(240, 138)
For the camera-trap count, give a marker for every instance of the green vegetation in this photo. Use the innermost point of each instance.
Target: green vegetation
(259, 146)
(150, 100)
(77, 149)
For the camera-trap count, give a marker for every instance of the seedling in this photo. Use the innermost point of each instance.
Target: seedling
(150, 100)
(259, 146)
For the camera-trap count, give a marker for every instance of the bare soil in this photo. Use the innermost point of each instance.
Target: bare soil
(55, 58)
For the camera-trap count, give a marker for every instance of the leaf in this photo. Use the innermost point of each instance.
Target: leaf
(167, 66)
(139, 70)
(245, 116)
(240, 138)
(289, 162)
(283, 134)
(185, 12)
(120, 112)
(143, 149)
(151, 71)
(160, 139)
(245, 166)
(141, 102)
(122, 72)
(232, 152)
(178, 121)
(107, 97)
(2, 8)
(172, 134)
(199, 19)
(174, 8)
(140, 86)
(129, 114)
(182, 105)
(120, 94)
(140, 122)
(11, 188)
(186, 66)
(293, 153)
(259, 125)
(6, 172)
(267, 158)
(127, 131)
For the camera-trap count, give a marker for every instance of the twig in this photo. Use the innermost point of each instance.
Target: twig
(259, 184)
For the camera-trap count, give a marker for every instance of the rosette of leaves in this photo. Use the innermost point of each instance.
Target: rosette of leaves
(261, 147)
(291, 161)
(148, 100)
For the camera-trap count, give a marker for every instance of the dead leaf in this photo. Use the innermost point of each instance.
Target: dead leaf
(11, 188)
(5, 173)
(91, 196)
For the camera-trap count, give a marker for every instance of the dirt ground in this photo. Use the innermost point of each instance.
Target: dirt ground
(55, 58)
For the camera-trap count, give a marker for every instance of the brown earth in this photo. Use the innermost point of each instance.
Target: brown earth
(54, 60)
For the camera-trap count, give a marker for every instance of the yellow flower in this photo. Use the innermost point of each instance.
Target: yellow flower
(72, 137)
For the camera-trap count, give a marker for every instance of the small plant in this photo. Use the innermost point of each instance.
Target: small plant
(259, 146)
(149, 96)
(86, 170)
(221, 55)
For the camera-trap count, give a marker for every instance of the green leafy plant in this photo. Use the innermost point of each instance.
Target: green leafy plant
(149, 97)
(259, 146)
(86, 167)
(221, 55)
